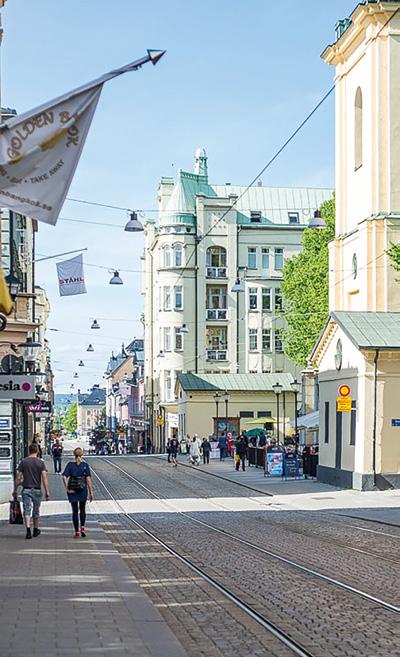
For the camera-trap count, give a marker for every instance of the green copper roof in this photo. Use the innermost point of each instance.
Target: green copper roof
(183, 198)
(274, 202)
(230, 382)
(370, 330)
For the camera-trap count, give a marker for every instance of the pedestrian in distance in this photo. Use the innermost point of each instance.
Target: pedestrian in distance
(194, 452)
(56, 452)
(168, 450)
(230, 444)
(78, 483)
(223, 447)
(32, 473)
(173, 448)
(240, 449)
(206, 449)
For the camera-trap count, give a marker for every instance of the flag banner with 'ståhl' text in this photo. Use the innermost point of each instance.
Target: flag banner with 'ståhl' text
(40, 150)
(71, 279)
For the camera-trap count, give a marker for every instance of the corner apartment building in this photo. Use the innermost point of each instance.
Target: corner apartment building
(212, 269)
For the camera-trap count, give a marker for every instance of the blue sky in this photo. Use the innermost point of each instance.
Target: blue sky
(237, 79)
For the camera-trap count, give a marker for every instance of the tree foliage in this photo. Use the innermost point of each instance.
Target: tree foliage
(394, 255)
(71, 418)
(305, 289)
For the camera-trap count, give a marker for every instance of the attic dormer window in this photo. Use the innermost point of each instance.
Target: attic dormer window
(255, 217)
(294, 217)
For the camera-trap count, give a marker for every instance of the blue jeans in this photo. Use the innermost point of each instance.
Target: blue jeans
(57, 463)
(31, 499)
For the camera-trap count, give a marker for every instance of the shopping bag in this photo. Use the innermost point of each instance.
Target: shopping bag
(15, 512)
(237, 458)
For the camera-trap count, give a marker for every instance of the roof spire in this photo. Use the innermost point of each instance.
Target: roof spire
(200, 167)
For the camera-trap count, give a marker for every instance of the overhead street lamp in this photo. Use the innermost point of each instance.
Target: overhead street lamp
(90, 348)
(317, 221)
(133, 225)
(95, 324)
(116, 279)
(277, 388)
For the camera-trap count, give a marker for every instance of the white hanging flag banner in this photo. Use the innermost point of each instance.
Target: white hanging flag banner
(40, 149)
(71, 278)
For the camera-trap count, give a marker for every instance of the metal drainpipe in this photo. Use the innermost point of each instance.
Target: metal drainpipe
(375, 415)
(196, 314)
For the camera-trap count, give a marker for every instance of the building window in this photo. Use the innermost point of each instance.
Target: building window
(252, 257)
(253, 339)
(167, 339)
(178, 255)
(293, 217)
(265, 258)
(168, 384)
(326, 423)
(266, 299)
(167, 257)
(178, 297)
(266, 339)
(358, 130)
(216, 256)
(217, 337)
(216, 297)
(278, 264)
(253, 298)
(278, 299)
(167, 297)
(278, 341)
(246, 414)
(353, 419)
(178, 339)
(255, 217)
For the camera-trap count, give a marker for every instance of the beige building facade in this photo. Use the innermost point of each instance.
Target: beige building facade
(202, 408)
(360, 346)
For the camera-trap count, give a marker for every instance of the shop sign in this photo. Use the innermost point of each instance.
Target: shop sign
(344, 404)
(5, 423)
(43, 406)
(173, 420)
(275, 463)
(160, 420)
(396, 422)
(17, 386)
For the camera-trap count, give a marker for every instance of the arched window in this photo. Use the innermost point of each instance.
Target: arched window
(167, 257)
(216, 256)
(178, 255)
(358, 130)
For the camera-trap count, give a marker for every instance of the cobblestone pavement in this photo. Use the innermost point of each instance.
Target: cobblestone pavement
(327, 620)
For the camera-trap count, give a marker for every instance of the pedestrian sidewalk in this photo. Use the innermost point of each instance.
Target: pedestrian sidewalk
(61, 596)
(310, 494)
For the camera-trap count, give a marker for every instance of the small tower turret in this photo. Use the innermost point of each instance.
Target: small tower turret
(200, 167)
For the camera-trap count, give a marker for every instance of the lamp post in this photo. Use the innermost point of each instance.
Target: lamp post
(217, 397)
(226, 400)
(295, 385)
(277, 388)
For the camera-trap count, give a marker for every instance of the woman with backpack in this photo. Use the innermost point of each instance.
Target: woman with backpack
(78, 483)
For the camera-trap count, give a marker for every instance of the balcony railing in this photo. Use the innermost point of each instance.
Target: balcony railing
(216, 313)
(217, 354)
(216, 272)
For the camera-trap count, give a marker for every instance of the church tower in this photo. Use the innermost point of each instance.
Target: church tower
(367, 60)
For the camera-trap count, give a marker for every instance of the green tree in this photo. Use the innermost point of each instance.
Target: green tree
(394, 255)
(305, 289)
(71, 417)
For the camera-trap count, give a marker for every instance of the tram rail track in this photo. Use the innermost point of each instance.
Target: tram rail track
(289, 642)
(268, 553)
